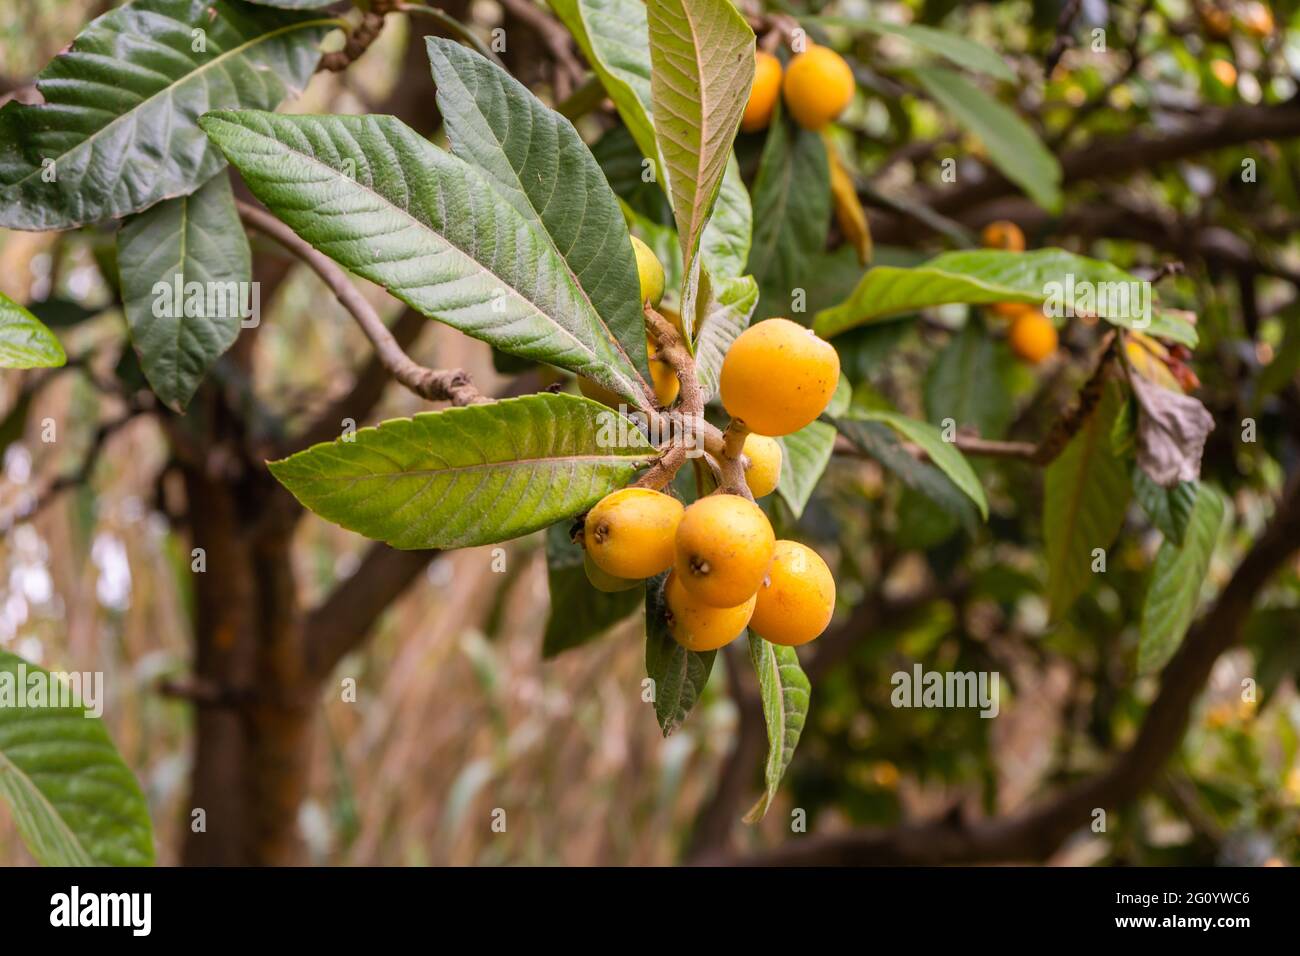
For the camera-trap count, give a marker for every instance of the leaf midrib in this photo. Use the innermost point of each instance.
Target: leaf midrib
(170, 88)
(482, 466)
(6, 764)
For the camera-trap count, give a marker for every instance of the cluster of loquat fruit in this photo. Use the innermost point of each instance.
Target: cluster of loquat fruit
(818, 84)
(727, 570)
(1031, 335)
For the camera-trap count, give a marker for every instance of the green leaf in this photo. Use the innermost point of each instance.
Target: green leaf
(702, 65)
(118, 129)
(966, 382)
(468, 476)
(613, 36)
(24, 341)
(621, 161)
(953, 47)
(728, 304)
(293, 4)
(879, 442)
(536, 160)
(1170, 509)
(1012, 145)
(980, 277)
(792, 212)
(1176, 581)
(785, 692)
(379, 199)
(73, 800)
(1086, 492)
(943, 454)
(805, 455)
(192, 239)
(730, 230)
(679, 675)
(579, 612)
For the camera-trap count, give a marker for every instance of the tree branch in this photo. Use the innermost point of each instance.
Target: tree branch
(1038, 832)
(452, 385)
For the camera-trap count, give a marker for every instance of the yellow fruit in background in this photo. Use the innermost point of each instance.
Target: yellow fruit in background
(818, 86)
(797, 599)
(1032, 337)
(630, 533)
(1003, 234)
(701, 627)
(1257, 19)
(723, 549)
(764, 470)
(762, 95)
(604, 581)
(1013, 310)
(665, 381)
(778, 376)
(649, 271)
(1224, 72)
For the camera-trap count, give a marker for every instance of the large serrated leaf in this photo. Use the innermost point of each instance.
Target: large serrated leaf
(579, 612)
(944, 455)
(1176, 581)
(379, 199)
(991, 275)
(25, 342)
(702, 59)
(805, 455)
(792, 210)
(73, 800)
(785, 692)
(1086, 492)
(536, 160)
(1170, 509)
(679, 675)
(191, 239)
(118, 130)
(468, 476)
(1011, 144)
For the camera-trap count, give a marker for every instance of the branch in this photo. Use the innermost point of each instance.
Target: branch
(1063, 39)
(359, 40)
(451, 385)
(1038, 832)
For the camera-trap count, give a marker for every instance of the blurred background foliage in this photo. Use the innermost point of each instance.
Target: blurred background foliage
(456, 713)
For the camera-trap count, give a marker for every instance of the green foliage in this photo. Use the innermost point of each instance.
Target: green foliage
(1086, 492)
(805, 455)
(430, 228)
(579, 613)
(1176, 580)
(1170, 509)
(73, 800)
(119, 121)
(944, 454)
(785, 692)
(191, 239)
(1012, 145)
(971, 382)
(468, 476)
(24, 341)
(679, 675)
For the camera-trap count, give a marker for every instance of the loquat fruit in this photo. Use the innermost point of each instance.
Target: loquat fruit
(723, 549)
(763, 94)
(764, 469)
(778, 376)
(1224, 72)
(1257, 19)
(797, 598)
(649, 271)
(1003, 234)
(1013, 310)
(1032, 337)
(630, 533)
(664, 380)
(604, 581)
(818, 86)
(702, 627)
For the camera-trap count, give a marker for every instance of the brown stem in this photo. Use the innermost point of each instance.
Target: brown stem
(732, 460)
(449, 385)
